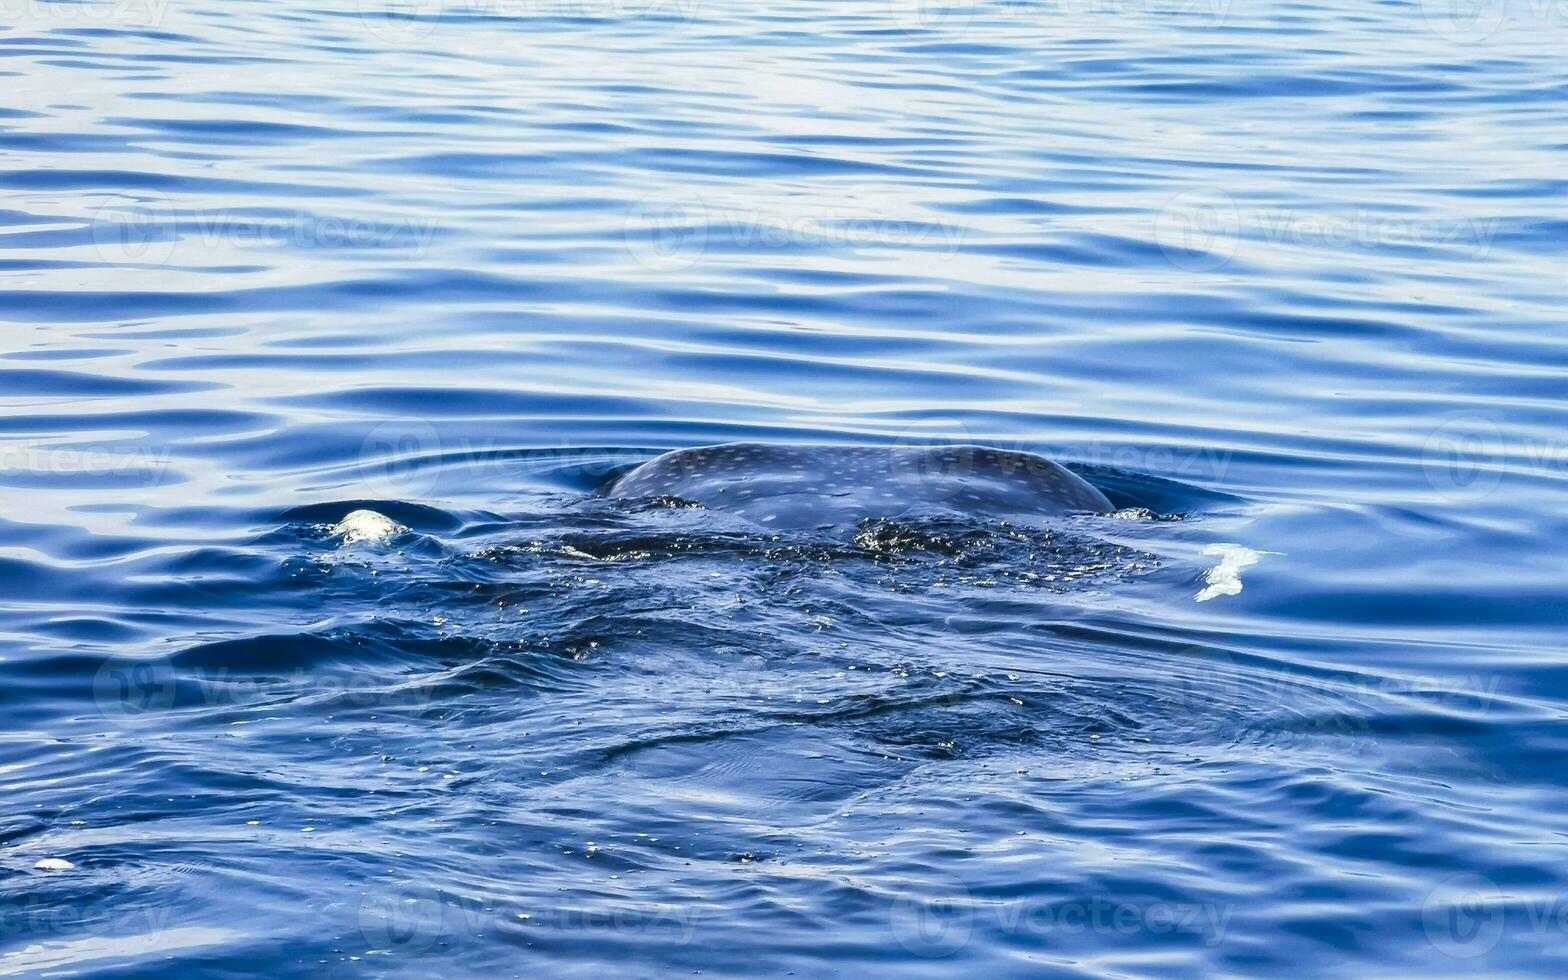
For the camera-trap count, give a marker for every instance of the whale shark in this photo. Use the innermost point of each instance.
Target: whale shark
(804, 486)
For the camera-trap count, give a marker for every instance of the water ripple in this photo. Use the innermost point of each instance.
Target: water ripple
(1283, 281)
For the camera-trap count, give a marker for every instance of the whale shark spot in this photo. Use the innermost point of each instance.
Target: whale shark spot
(796, 486)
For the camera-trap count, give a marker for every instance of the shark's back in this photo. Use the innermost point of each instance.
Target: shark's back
(815, 486)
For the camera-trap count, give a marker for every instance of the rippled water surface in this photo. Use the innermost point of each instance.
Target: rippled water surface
(1286, 281)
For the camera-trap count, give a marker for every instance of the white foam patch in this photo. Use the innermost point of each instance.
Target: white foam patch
(1225, 578)
(54, 864)
(366, 525)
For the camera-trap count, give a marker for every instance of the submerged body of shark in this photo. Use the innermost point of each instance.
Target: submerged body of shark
(798, 486)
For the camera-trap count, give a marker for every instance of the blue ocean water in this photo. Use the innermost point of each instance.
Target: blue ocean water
(1286, 280)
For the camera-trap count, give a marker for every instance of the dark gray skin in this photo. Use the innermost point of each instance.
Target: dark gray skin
(826, 486)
